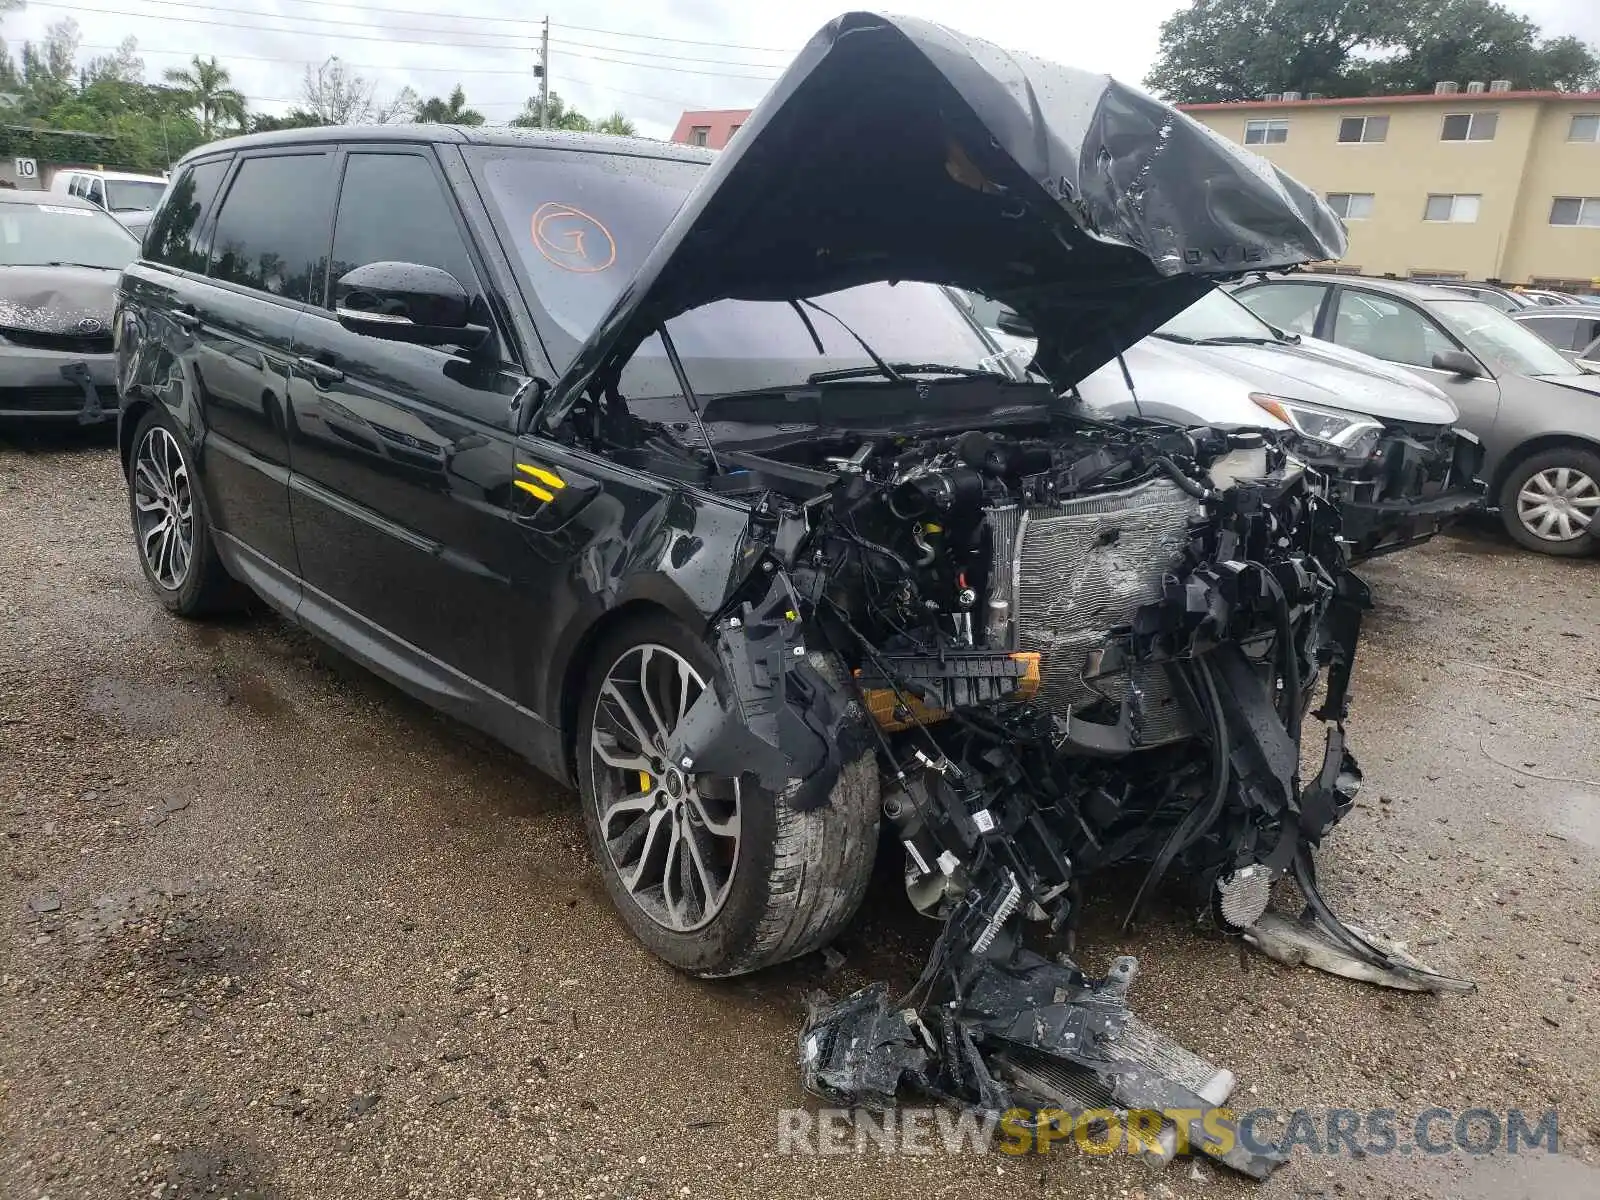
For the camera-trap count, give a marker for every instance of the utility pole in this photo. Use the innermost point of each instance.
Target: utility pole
(544, 76)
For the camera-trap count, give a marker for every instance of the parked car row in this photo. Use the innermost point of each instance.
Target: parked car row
(1536, 412)
(1388, 439)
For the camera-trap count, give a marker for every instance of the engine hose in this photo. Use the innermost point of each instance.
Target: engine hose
(1175, 473)
(1289, 706)
(1192, 827)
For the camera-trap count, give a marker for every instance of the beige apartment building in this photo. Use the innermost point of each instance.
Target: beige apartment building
(1474, 182)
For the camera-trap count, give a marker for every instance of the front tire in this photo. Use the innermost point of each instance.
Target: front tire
(715, 878)
(1550, 502)
(171, 533)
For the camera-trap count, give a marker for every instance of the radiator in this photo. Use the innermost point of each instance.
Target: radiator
(1084, 567)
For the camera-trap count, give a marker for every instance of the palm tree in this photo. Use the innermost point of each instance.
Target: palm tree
(204, 84)
(617, 123)
(434, 111)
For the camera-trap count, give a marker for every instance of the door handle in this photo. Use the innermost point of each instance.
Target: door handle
(318, 371)
(186, 318)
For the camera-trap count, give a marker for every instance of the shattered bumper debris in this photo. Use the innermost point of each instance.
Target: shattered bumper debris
(1134, 693)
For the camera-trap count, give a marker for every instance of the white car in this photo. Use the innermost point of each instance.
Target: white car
(1388, 438)
(131, 199)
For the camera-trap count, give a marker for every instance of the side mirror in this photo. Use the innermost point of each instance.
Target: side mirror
(1013, 323)
(407, 302)
(1457, 362)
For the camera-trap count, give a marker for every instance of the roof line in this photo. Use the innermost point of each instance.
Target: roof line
(1379, 101)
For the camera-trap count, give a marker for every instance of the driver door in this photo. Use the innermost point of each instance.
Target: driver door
(401, 455)
(1397, 331)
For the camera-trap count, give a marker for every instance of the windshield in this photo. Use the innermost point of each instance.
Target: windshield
(1497, 340)
(37, 235)
(1215, 315)
(133, 195)
(580, 225)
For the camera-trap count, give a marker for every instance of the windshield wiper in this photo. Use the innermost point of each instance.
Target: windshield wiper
(898, 371)
(1239, 339)
(58, 262)
(879, 366)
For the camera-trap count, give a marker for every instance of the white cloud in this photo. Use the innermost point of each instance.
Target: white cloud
(491, 50)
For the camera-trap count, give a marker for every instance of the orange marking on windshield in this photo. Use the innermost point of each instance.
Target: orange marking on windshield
(571, 239)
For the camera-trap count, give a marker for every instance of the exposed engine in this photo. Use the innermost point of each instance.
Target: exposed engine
(1083, 648)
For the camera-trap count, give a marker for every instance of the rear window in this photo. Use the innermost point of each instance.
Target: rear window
(173, 235)
(580, 225)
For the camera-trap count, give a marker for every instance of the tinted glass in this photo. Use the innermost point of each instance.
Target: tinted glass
(34, 235)
(1455, 127)
(1388, 329)
(579, 226)
(272, 232)
(1289, 306)
(374, 226)
(97, 193)
(1562, 332)
(173, 232)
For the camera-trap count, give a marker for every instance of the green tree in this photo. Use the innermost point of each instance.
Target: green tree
(206, 84)
(618, 124)
(296, 118)
(561, 117)
(1218, 50)
(454, 111)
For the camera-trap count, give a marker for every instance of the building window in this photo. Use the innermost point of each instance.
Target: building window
(1462, 210)
(1469, 127)
(1265, 133)
(1352, 206)
(699, 135)
(733, 129)
(1576, 287)
(1364, 129)
(1427, 276)
(1575, 210)
(1585, 128)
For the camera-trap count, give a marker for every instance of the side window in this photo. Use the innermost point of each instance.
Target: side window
(1564, 333)
(97, 193)
(75, 188)
(174, 231)
(1289, 306)
(393, 208)
(272, 231)
(1388, 329)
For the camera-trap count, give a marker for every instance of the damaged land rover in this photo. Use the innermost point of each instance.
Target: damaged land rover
(679, 474)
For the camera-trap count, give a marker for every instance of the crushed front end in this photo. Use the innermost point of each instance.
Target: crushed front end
(1080, 646)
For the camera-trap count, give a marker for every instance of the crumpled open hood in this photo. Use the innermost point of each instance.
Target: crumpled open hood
(897, 149)
(56, 299)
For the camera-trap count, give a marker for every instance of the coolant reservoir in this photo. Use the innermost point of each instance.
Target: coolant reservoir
(1247, 460)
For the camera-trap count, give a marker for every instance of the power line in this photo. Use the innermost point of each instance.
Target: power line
(621, 62)
(655, 37)
(311, 62)
(434, 41)
(671, 57)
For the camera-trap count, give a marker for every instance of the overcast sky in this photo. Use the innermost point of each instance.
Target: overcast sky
(651, 60)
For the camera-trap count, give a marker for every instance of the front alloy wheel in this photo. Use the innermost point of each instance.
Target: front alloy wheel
(671, 835)
(163, 508)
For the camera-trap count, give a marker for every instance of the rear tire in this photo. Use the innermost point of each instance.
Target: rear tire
(1550, 502)
(796, 878)
(171, 531)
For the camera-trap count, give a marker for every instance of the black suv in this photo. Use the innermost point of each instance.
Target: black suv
(680, 474)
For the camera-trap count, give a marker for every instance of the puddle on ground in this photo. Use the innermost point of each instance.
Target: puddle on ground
(1531, 1175)
(1578, 816)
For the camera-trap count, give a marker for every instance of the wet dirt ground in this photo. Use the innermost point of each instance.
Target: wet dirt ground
(272, 930)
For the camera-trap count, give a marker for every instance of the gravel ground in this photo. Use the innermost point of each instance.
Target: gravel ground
(273, 930)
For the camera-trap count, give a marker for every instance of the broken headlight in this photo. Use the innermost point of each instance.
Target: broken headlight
(1351, 434)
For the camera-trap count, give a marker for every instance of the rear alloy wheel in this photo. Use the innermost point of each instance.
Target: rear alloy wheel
(714, 875)
(170, 532)
(1551, 502)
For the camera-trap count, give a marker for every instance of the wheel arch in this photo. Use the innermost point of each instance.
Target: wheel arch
(127, 424)
(580, 661)
(1537, 445)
